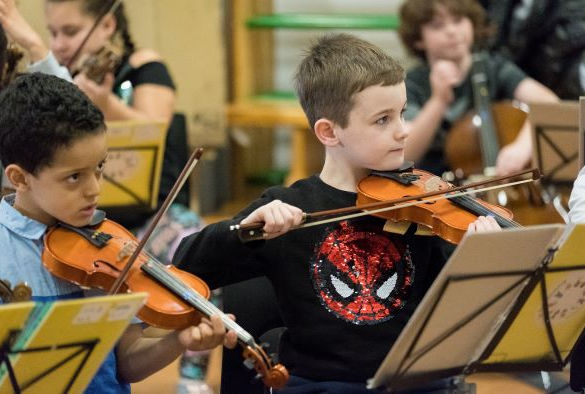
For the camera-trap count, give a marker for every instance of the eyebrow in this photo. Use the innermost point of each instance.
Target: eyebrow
(384, 111)
(389, 111)
(74, 170)
(67, 26)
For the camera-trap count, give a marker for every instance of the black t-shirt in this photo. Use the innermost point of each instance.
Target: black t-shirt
(152, 72)
(345, 289)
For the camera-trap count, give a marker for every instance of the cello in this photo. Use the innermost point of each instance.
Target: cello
(473, 143)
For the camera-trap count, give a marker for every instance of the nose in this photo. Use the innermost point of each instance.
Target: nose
(451, 27)
(59, 45)
(401, 131)
(93, 186)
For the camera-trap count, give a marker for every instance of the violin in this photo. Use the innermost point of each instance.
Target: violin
(94, 257)
(104, 255)
(97, 65)
(8, 65)
(447, 218)
(414, 196)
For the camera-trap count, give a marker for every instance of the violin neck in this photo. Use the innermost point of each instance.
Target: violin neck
(161, 274)
(488, 136)
(471, 205)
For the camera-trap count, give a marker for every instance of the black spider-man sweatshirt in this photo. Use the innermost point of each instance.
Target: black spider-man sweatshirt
(345, 289)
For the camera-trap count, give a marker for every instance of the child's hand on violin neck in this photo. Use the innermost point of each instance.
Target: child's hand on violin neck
(278, 218)
(208, 334)
(483, 224)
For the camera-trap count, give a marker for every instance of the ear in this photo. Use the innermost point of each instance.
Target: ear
(325, 132)
(420, 45)
(108, 26)
(18, 176)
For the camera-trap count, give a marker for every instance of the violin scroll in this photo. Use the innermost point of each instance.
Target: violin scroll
(272, 375)
(97, 65)
(20, 292)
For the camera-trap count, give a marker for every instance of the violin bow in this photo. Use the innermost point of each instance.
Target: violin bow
(254, 229)
(191, 163)
(111, 9)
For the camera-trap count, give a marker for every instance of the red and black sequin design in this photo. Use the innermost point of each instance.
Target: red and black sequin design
(361, 275)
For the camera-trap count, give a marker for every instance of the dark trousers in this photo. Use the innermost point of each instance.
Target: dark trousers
(296, 385)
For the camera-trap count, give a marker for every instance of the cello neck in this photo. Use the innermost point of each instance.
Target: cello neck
(488, 136)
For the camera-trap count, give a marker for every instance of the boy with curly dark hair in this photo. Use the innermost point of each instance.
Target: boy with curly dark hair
(53, 148)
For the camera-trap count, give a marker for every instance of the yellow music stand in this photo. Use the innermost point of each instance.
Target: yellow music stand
(508, 301)
(60, 344)
(134, 166)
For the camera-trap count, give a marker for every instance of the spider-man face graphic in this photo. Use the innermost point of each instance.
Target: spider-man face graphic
(362, 276)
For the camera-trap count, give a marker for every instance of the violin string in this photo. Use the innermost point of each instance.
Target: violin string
(409, 204)
(191, 163)
(207, 306)
(475, 207)
(161, 273)
(189, 295)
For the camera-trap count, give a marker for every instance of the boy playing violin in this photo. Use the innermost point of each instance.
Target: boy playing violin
(346, 289)
(442, 34)
(53, 148)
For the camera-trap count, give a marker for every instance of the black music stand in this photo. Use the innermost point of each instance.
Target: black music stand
(81, 352)
(509, 301)
(556, 140)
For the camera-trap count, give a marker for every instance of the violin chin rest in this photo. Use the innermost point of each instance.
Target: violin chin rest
(97, 218)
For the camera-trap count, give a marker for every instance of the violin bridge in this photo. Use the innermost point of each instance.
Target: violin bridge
(126, 250)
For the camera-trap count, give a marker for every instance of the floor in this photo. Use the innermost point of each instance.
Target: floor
(167, 379)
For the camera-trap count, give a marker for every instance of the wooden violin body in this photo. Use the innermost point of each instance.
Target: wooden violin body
(463, 145)
(97, 65)
(446, 217)
(74, 258)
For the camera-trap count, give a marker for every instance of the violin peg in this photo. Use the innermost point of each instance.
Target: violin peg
(255, 380)
(248, 363)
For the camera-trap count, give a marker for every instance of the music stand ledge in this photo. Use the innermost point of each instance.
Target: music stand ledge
(505, 302)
